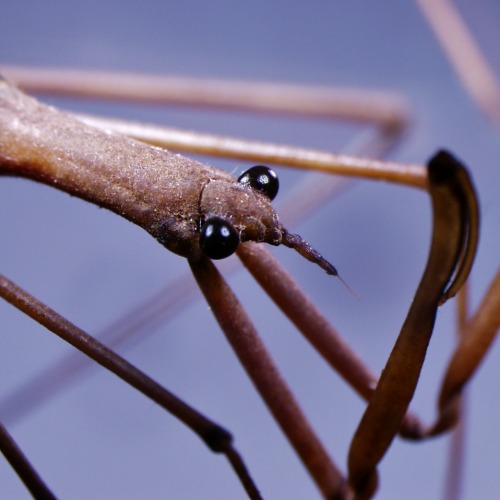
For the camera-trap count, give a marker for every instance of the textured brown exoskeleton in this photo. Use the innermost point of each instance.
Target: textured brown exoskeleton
(168, 195)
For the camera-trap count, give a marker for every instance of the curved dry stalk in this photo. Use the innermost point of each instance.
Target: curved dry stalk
(449, 190)
(214, 436)
(469, 237)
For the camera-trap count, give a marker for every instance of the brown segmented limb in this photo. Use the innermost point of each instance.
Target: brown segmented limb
(215, 437)
(479, 333)
(261, 369)
(449, 189)
(23, 467)
(302, 312)
(129, 329)
(456, 447)
(380, 108)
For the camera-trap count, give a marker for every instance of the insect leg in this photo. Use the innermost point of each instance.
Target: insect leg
(262, 371)
(215, 437)
(23, 467)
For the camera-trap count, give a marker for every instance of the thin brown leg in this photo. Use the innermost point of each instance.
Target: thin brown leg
(449, 188)
(127, 331)
(479, 333)
(456, 451)
(261, 369)
(215, 437)
(23, 467)
(456, 454)
(287, 294)
(366, 106)
(303, 313)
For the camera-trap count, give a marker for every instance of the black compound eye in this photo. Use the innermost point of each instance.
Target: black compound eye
(261, 178)
(218, 238)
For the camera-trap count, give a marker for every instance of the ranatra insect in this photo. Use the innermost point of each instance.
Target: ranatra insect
(46, 146)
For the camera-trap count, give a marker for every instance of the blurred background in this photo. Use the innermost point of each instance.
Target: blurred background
(101, 439)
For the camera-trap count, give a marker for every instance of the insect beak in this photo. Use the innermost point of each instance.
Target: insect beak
(307, 251)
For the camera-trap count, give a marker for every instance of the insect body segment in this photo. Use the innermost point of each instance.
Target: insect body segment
(218, 236)
(244, 207)
(169, 196)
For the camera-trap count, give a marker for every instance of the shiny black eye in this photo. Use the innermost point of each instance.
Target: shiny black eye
(218, 238)
(261, 178)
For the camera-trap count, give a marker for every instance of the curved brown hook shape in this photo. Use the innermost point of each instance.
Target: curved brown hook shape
(453, 247)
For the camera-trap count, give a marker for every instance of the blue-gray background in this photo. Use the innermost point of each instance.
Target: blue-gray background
(102, 440)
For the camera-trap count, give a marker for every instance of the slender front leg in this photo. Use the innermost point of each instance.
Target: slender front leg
(23, 467)
(261, 369)
(215, 437)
